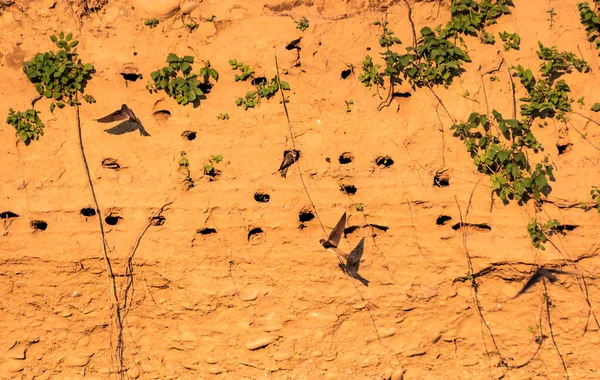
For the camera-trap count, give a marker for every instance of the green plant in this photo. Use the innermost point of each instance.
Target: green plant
(546, 96)
(348, 104)
(191, 26)
(359, 207)
(207, 72)
(210, 19)
(152, 23)
(487, 38)
(591, 21)
(494, 78)
(223, 116)
(511, 40)
(28, 124)
(596, 107)
(435, 60)
(184, 88)
(581, 101)
(551, 15)
(499, 148)
(184, 165)
(209, 168)
(595, 194)
(469, 16)
(264, 89)
(302, 24)
(539, 232)
(60, 76)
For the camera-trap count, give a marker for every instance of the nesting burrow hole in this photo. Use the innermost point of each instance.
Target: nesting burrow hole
(442, 219)
(346, 158)
(293, 44)
(8, 215)
(346, 73)
(39, 225)
(441, 179)
(262, 197)
(189, 135)
(306, 215)
(256, 235)
(112, 219)
(384, 161)
(206, 231)
(158, 220)
(564, 147)
(349, 230)
(110, 163)
(350, 189)
(476, 226)
(87, 212)
(161, 111)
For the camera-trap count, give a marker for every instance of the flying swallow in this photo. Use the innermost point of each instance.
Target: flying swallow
(124, 114)
(334, 238)
(540, 274)
(289, 157)
(353, 263)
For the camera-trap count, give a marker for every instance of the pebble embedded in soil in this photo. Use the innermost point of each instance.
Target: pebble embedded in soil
(260, 342)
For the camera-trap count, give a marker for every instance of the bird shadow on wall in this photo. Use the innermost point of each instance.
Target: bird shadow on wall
(126, 127)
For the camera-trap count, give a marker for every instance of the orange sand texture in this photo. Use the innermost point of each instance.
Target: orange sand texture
(275, 305)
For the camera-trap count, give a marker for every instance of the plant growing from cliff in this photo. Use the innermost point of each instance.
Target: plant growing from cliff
(511, 40)
(547, 96)
(470, 17)
(591, 21)
(302, 24)
(209, 167)
(177, 80)
(60, 76)
(499, 148)
(434, 60)
(223, 116)
(28, 124)
(264, 89)
(151, 22)
(184, 166)
(595, 194)
(539, 232)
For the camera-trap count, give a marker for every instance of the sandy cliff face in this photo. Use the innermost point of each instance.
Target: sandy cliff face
(233, 288)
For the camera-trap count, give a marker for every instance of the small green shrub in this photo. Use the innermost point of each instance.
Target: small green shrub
(178, 81)
(348, 104)
(210, 19)
(191, 26)
(60, 76)
(184, 166)
(499, 148)
(223, 116)
(28, 124)
(209, 167)
(469, 17)
(539, 232)
(548, 97)
(595, 194)
(591, 21)
(511, 40)
(264, 89)
(152, 23)
(302, 24)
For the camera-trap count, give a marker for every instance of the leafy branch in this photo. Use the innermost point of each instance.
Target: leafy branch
(60, 76)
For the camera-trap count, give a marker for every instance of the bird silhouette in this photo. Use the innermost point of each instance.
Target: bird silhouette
(289, 157)
(353, 263)
(540, 274)
(334, 238)
(130, 124)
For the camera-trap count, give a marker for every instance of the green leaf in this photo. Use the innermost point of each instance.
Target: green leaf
(53, 38)
(172, 58)
(69, 36)
(596, 107)
(284, 85)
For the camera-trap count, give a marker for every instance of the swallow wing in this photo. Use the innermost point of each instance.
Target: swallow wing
(336, 234)
(115, 116)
